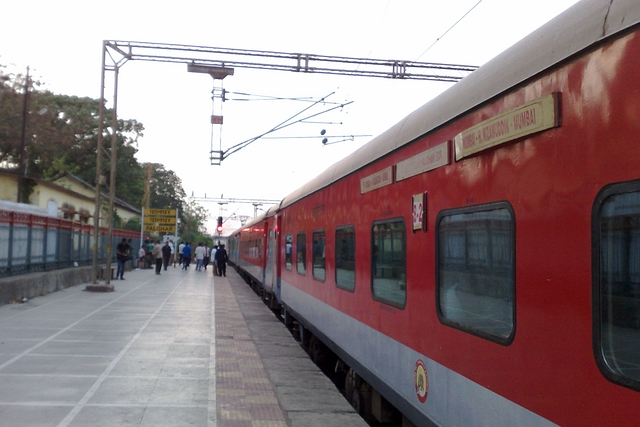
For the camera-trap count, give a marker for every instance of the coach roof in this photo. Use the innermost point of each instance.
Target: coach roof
(579, 27)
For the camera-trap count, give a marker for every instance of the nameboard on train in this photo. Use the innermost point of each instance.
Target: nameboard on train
(428, 160)
(377, 180)
(526, 119)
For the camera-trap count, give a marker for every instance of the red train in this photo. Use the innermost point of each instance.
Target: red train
(478, 264)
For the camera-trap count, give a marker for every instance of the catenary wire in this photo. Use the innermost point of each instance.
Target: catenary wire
(450, 28)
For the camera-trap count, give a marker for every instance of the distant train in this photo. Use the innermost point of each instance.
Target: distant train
(478, 264)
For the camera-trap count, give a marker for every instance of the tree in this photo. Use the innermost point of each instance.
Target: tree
(192, 226)
(132, 224)
(11, 102)
(62, 136)
(165, 188)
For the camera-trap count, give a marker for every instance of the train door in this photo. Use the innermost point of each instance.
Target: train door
(264, 254)
(268, 271)
(276, 259)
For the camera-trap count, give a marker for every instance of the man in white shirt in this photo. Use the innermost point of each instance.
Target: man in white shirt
(199, 256)
(180, 248)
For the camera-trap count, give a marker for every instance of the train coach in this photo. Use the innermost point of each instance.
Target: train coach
(478, 264)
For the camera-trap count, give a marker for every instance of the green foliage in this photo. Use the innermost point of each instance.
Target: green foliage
(192, 220)
(28, 185)
(62, 138)
(59, 167)
(166, 190)
(133, 224)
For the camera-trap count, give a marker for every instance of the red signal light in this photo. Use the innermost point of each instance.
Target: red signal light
(219, 227)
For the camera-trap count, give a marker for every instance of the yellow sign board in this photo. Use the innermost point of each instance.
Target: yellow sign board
(159, 228)
(377, 180)
(526, 119)
(160, 212)
(159, 220)
(428, 160)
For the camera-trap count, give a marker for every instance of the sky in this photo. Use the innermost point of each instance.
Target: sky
(61, 42)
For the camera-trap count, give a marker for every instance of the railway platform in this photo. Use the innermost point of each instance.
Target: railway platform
(183, 348)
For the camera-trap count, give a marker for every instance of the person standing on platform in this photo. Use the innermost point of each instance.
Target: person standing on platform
(157, 255)
(132, 254)
(166, 255)
(207, 256)
(180, 255)
(199, 256)
(149, 249)
(186, 256)
(221, 260)
(172, 258)
(122, 255)
(142, 254)
(213, 259)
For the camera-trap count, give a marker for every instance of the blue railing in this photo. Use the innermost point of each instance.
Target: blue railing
(31, 243)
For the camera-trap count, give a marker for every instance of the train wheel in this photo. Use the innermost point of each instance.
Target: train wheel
(352, 384)
(361, 402)
(316, 351)
(288, 318)
(365, 402)
(356, 402)
(348, 385)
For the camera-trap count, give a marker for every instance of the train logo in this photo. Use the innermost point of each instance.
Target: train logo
(421, 381)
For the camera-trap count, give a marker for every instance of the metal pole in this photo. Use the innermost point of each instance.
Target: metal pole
(23, 137)
(141, 231)
(112, 173)
(99, 177)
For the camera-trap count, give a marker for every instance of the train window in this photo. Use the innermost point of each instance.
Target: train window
(346, 257)
(475, 276)
(616, 283)
(301, 253)
(288, 249)
(388, 262)
(318, 256)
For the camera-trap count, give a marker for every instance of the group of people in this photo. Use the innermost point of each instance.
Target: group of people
(156, 253)
(203, 255)
(163, 255)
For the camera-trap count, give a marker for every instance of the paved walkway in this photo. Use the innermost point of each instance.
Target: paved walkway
(168, 350)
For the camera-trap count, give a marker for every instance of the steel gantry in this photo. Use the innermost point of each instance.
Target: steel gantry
(283, 61)
(219, 62)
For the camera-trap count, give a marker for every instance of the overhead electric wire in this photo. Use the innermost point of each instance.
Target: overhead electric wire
(284, 124)
(257, 97)
(450, 28)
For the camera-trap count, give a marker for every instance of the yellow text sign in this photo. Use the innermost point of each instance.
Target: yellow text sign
(158, 220)
(160, 212)
(159, 228)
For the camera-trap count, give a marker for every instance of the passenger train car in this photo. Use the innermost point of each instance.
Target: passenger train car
(478, 264)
